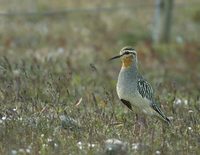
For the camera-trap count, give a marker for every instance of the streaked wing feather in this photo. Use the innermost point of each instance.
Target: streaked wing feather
(146, 91)
(144, 88)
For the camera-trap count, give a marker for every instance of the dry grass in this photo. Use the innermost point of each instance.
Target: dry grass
(57, 91)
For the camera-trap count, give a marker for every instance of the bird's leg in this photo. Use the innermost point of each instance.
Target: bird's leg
(140, 124)
(141, 120)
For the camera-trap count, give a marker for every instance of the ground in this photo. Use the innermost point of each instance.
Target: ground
(57, 90)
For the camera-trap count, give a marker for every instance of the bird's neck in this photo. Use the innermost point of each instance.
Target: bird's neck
(128, 63)
(131, 69)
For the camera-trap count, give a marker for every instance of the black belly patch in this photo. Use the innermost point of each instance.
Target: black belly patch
(127, 103)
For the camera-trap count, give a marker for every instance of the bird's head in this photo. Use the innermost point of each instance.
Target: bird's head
(128, 56)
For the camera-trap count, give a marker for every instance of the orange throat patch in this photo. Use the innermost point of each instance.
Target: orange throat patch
(127, 61)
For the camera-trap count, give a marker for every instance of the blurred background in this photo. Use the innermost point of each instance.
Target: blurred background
(97, 24)
(53, 62)
(95, 30)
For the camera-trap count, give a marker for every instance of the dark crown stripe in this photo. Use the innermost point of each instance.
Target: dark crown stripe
(129, 49)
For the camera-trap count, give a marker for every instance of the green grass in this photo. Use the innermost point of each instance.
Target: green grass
(35, 94)
(57, 90)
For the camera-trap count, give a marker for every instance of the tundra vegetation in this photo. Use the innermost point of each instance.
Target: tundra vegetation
(57, 90)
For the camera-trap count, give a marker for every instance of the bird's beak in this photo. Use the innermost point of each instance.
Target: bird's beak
(116, 57)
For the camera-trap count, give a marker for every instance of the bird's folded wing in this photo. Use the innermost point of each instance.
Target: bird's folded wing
(144, 88)
(146, 91)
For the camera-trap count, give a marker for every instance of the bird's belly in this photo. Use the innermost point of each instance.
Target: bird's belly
(127, 92)
(142, 104)
(139, 104)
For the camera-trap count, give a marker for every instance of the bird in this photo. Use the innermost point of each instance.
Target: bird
(133, 89)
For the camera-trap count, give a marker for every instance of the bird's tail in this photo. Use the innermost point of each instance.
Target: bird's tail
(161, 115)
(166, 120)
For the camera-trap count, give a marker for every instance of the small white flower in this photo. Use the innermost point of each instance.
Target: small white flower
(190, 128)
(55, 145)
(135, 146)
(91, 145)
(44, 145)
(115, 145)
(60, 50)
(49, 140)
(16, 72)
(190, 111)
(185, 102)
(13, 152)
(28, 151)
(158, 152)
(3, 118)
(21, 150)
(20, 118)
(178, 101)
(80, 145)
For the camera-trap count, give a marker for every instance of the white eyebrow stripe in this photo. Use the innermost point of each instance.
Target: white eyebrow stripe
(129, 52)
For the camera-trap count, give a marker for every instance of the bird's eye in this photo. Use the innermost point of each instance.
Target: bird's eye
(127, 52)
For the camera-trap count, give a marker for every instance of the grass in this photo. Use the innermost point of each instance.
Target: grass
(57, 91)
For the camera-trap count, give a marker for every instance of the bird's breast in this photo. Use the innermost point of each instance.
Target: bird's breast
(126, 86)
(127, 90)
